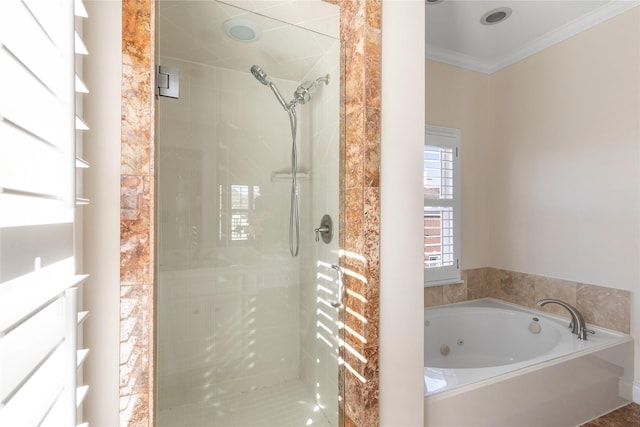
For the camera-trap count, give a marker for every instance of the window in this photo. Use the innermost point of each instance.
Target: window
(441, 206)
(243, 215)
(39, 140)
(243, 201)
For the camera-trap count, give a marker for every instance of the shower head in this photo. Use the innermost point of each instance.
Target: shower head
(260, 75)
(301, 95)
(306, 89)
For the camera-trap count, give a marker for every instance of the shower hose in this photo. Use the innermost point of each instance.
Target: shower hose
(294, 214)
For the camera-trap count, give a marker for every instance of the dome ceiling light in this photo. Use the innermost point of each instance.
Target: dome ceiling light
(241, 30)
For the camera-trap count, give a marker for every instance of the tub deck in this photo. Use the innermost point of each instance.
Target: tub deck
(565, 388)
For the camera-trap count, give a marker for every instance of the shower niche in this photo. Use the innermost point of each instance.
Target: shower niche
(246, 332)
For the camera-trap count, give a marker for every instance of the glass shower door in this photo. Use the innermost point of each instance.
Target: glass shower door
(246, 332)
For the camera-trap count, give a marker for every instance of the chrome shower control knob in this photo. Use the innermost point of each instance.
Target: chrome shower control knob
(325, 230)
(319, 230)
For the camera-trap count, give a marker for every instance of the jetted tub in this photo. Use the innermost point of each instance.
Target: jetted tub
(488, 362)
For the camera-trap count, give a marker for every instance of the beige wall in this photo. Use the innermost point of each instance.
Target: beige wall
(459, 98)
(551, 159)
(565, 162)
(401, 316)
(564, 172)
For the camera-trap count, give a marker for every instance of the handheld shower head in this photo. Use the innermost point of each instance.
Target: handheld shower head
(301, 95)
(260, 75)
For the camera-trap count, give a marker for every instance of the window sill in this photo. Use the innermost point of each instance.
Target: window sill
(443, 283)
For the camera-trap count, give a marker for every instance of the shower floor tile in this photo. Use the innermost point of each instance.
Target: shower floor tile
(284, 405)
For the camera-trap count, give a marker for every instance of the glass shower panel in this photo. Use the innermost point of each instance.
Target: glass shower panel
(246, 333)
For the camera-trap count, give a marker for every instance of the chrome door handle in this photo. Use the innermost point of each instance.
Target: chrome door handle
(338, 303)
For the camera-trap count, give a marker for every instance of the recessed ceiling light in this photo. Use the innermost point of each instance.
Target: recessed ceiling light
(495, 16)
(432, 1)
(241, 30)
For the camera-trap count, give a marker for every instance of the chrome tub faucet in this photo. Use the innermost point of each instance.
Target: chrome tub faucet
(577, 324)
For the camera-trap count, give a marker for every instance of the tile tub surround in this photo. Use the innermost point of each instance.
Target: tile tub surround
(605, 307)
(359, 208)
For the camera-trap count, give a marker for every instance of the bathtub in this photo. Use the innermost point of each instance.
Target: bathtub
(487, 362)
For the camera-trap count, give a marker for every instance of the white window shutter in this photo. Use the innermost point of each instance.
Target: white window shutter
(39, 280)
(442, 206)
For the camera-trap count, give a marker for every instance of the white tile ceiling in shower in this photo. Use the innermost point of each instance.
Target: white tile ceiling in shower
(192, 31)
(315, 15)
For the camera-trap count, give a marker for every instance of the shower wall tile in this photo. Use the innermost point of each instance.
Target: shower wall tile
(372, 148)
(135, 195)
(372, 311)
(372, 62)
(355, 149)
(362, 388)
(371, 213)
(136, 215)
(354, 221)
(137, 56)
(373, 16)
(360, 32)
(355, 298)
(136, 263)
(370, 390)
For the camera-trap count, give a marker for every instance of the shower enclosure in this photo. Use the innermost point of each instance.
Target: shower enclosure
(247, 334)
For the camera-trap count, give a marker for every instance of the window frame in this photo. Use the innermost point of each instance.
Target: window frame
(449, 138)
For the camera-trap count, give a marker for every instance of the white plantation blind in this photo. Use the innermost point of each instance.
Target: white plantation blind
(39, 316)
(441, 206)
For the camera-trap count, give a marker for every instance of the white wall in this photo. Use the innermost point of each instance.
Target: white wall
(102, 74)
(401, 281)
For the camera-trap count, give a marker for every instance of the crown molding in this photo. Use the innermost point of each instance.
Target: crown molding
(457, 59)
(587, 21)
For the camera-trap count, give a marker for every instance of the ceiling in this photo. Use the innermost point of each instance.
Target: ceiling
(455, 35)
(192, 31)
